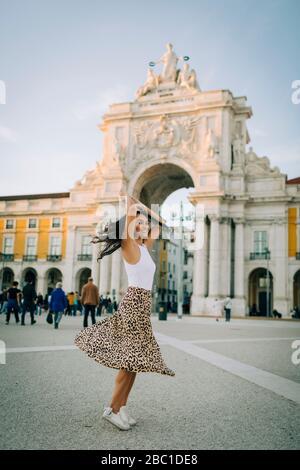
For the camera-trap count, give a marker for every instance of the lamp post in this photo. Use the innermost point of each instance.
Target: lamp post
(179, 292)
(267, 252)
(2, 276)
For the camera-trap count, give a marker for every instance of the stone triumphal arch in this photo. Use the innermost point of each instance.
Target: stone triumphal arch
(173, 135)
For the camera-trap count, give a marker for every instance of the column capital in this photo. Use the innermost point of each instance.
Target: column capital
(280, 221)
(225, 220)
(239, 220)
(214, 217)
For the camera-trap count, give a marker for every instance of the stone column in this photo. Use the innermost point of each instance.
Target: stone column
(116, 273)
(224, 257)
(123, 281)
(279, 253)
(200, 255)
(95, 263)
(239, 256)
(200, 267)
(214, 257)
(105, 275)
(40, 284)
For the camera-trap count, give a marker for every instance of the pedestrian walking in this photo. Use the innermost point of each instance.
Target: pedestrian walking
(100, 306)
(58, 303)
(39, 304)
(13, 302)
(89, 299)
(77, 303)
(72, 305)
(115, 305)
(28, 305)
(4, 302)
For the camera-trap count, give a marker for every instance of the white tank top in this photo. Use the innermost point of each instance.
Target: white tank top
(141, 274)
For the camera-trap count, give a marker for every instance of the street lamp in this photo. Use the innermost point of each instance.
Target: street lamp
(267, 252)
(179, 291)
(2, 277)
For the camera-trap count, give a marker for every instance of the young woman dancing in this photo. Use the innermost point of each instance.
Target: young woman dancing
(125, 341)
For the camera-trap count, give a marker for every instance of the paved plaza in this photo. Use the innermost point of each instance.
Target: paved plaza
(235, 387)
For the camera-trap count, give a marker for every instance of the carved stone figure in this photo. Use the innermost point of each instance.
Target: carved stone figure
(237, 150)
(210, 144)
(256, 166)
(150, 84)
(169, 60)
(187, 78)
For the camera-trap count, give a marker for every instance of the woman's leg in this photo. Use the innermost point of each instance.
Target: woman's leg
(128, 388)
(123, 383)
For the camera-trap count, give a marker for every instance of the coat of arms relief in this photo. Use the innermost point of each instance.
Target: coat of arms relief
(167, 137)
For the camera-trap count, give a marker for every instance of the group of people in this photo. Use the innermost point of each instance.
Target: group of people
(57, 303)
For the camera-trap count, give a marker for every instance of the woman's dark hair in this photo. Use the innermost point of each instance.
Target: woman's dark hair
(111, 234)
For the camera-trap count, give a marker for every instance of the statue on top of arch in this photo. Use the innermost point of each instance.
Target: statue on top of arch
(185, 78)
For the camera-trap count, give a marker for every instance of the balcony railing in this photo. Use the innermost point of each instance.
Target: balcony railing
(54, 257)
(260, 255)
(29, 257)
(7, 257)
(84, 257)
(298, 255)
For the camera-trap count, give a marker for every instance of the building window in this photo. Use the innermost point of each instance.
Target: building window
(9, 223)
(164, 266)
(164, 244)
(173, 285)
(8, 245)
(169, 267)
(56, 222)
(86, 247)
(174, 268)
(32, 223)
(31, 246)
(260, 241)
(55, 244)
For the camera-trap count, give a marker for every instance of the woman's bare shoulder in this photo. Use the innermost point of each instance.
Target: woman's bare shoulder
(130, 251)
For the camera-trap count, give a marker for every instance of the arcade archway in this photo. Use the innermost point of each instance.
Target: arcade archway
(7, 277)
(82, 278)
(260, 289)
(296, 289)
(29, 274)
(52, 276)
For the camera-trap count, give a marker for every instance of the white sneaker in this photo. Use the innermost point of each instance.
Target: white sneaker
(124, 415)
(115, 418)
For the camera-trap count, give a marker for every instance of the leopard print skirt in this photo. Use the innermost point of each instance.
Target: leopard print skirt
(125, 340)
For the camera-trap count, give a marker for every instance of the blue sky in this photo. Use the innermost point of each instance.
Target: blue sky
(63, 62)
